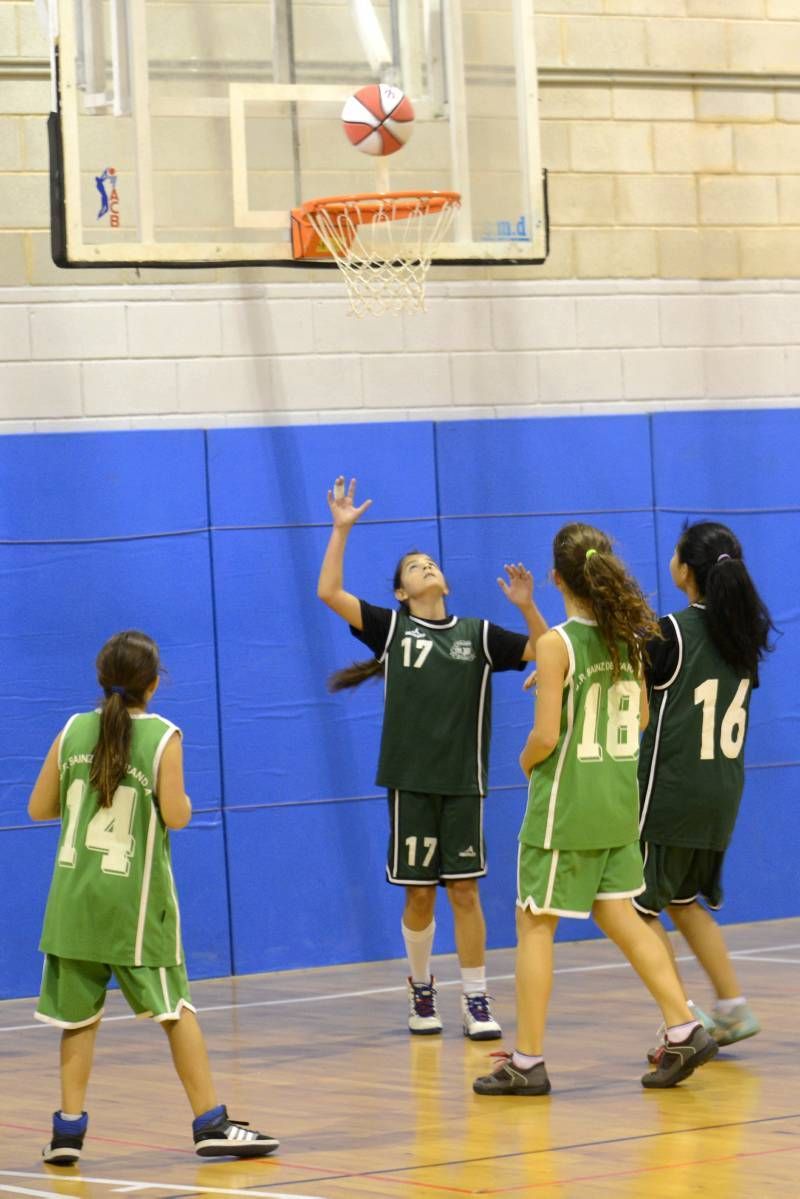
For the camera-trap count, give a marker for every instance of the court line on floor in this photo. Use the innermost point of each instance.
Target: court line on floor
(738, 954)
(129, 1184)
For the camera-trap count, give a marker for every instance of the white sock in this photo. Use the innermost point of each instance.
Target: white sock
(418, 950)
(726, 1006)
(676, 1033)
(69, 1116)
(523, 1061)
(473, 980)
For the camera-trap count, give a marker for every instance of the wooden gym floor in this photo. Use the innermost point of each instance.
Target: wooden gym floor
(322, 1060)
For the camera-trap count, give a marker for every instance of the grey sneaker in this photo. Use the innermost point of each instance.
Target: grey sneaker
(708, 1023)
(676, 1062)
(508, 1079)
(736, 1025)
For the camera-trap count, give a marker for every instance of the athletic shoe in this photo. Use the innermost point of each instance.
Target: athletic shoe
(707, 1022)
(423, 1018)
(508, 1079)
(217, 1136)
(476, 1014)
(736, 1025)
(66, 1142)
(676, 1062)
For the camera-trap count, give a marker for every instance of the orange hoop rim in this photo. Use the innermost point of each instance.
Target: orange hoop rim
(396, 205)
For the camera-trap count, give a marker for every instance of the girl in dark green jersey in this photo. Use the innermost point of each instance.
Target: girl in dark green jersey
(579, 852)
(701, 673)
(434, 749)
(115, 778)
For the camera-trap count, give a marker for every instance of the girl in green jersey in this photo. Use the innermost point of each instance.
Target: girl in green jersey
(433, 761)
(579, 852)
(115, 778)
(700, 673)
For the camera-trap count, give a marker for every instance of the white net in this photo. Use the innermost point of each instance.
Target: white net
(383, 245)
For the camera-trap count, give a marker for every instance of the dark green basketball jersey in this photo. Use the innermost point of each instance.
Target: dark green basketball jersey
(112, 898)
(437, 710)
(584, 795)
(691, 771)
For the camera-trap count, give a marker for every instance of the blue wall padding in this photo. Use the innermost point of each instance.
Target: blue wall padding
(292, 827)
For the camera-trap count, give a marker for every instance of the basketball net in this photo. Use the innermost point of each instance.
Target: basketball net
(382, 243)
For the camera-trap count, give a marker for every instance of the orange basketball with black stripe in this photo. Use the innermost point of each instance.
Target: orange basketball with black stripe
(378, 119)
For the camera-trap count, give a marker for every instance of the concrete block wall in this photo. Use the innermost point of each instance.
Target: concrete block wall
(671, 132)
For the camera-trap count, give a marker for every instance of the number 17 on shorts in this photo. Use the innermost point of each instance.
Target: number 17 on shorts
(434, 838)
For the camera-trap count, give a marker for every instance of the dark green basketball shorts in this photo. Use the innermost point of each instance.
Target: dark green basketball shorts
(674, 874)
(434, 838)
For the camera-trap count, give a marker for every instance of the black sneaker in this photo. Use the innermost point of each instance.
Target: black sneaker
(673, 1063)
(66, 1143)
(508, 1079)
(221, 1137)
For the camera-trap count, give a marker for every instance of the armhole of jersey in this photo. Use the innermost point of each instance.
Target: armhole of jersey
(679, 664)
(564, 635)
(63, 734)
(162, 745)
(389, 636)
(485, 642)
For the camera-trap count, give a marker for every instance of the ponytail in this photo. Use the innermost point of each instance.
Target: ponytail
(738, 620)
(584, 558)
(355, 675)
(127, 666)
(110, 759)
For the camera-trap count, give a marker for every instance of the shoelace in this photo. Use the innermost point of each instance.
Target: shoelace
(478, 1006)
(503, 1059)
(424, 1000)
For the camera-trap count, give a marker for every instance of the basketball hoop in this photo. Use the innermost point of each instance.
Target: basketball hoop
(382, 242)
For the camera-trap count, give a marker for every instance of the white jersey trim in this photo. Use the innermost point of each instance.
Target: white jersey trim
(677, 670)
(145, 895)
(63, 734)
(162, 745)
(551, 808)
(651, 777)
(434, 624)
(487, 670)
(389, 636)
(67, 1023)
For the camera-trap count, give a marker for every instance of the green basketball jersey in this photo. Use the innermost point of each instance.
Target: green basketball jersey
(584, 795)
(691, 772)
(112, 898)
(437, 714)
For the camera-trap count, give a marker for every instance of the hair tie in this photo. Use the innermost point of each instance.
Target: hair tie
(118, 691)
(589, 554)
(722, 557)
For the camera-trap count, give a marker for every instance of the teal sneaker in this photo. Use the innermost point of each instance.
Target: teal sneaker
(734, 1026)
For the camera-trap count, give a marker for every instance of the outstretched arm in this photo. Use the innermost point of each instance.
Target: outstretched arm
(552, 665)
(330, 588)
(519, 591)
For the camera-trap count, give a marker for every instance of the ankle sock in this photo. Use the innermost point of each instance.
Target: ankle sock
(473, 980)
(213, 1113)
(69, 1125)
(678, 1033)
(726, 1006)
(524, 1061)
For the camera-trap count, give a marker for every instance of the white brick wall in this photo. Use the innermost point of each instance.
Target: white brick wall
(208, 355)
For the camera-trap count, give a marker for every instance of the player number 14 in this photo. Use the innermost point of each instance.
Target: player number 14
(107, 833)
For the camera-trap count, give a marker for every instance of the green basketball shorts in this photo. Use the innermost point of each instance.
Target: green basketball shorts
(674, 874)
(73, 992)
(567, 882)
(434, 838)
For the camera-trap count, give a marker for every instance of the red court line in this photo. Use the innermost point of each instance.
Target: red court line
(702, 1161)
(103, 1140)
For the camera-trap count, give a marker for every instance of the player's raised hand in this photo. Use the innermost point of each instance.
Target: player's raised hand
(519, 587)
(342, 503)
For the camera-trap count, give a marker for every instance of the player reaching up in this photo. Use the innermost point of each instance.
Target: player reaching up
(434, 749)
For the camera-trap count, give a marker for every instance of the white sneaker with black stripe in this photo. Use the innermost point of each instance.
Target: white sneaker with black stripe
(217, 1136)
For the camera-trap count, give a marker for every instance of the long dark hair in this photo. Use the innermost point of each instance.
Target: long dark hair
(585, 559)
(737, 618)
(369, 668)
(126, 666)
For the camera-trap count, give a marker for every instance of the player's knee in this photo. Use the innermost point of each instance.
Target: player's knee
(420, 900)
(463, 894)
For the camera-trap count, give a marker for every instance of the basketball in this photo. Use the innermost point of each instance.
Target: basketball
(378, 119)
